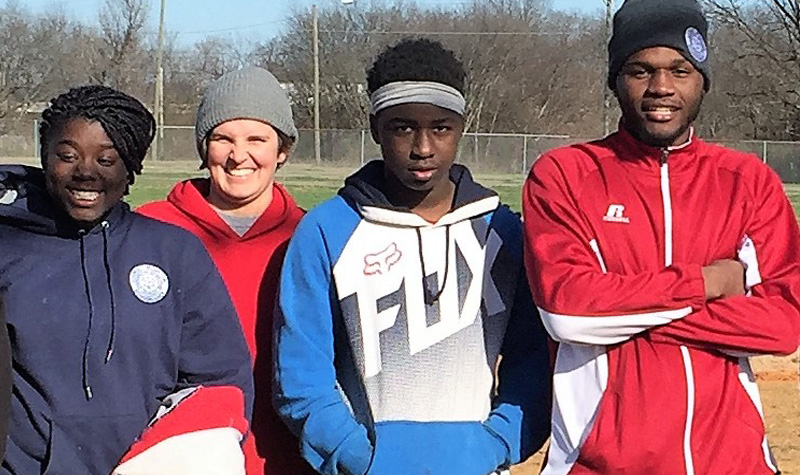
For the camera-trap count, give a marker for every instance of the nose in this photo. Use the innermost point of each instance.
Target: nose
(238, 153)
(661, 83)
(423, 144)
(85, 169)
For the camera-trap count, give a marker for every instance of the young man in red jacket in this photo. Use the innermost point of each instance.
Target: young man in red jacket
(659, 263)
(244, 132)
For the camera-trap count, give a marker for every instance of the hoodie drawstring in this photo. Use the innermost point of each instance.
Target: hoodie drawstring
(110, 348)
(430, 297)
(87, 388)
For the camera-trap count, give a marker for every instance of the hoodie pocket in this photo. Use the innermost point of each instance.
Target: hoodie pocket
(88, 444)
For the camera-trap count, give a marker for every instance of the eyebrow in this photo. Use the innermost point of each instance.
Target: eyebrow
(72, 143)
(644, 64)
(410, 121)
(401, 121)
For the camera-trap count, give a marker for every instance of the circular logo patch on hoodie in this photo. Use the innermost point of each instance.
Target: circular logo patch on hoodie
(149, 283)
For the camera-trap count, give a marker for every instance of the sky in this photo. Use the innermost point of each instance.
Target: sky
(192, 20)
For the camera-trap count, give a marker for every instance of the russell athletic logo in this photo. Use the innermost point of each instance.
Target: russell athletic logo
(381, 262)
(616, 214)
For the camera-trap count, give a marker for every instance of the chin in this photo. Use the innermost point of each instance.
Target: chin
(660, 138)
(84, 219)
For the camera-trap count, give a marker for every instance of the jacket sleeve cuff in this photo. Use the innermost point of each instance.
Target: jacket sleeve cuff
(693, 292)
(354, 458)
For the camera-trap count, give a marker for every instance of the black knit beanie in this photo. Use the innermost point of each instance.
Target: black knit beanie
(677, 24)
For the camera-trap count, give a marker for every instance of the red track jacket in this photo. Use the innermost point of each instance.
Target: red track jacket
(649, 377)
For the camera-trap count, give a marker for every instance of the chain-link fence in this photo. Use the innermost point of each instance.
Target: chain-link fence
(486, 153)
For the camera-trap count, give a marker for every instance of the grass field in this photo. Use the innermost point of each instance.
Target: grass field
(310, 185)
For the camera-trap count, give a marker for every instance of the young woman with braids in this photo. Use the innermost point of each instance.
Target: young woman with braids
(116, 320)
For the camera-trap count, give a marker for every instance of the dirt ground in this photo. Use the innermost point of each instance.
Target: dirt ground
(780, 395)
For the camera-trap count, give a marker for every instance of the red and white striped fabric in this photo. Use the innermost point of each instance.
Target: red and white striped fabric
(196, 431)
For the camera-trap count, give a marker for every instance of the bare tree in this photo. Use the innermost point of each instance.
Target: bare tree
(121, 24)
(761, 49)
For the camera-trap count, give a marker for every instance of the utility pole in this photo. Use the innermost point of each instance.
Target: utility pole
(315, 21)
(158, 101)
(606, 91)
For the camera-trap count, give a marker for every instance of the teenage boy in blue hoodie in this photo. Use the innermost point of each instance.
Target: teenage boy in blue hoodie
(399, 296)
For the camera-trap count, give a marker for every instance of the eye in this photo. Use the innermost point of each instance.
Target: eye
(638, 73)
(107, 161)
(442, 129)
(66, 156)
(403, 129)
(219, 139)
(681, 72)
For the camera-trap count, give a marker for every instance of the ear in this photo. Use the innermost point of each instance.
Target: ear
(282, 157)
(373, 129)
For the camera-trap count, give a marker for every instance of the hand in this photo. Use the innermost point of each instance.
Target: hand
(723, 278)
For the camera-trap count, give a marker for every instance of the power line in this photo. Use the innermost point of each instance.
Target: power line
(454, 33)
(235, 28)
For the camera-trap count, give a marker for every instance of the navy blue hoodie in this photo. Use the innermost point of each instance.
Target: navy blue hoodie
(104, 324)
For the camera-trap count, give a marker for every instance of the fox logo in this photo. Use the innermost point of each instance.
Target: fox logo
(381, 262)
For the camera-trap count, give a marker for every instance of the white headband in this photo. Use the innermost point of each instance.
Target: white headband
(425, 92)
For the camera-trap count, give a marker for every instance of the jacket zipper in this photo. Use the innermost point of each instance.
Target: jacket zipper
(666, 199)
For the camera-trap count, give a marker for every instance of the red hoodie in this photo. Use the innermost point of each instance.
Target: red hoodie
(649, 377)
(250, 266)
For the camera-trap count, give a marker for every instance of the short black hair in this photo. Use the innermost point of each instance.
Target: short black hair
(416, 59)
(126, 121)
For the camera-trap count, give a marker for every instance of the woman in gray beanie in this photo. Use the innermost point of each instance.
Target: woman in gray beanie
(244, 132)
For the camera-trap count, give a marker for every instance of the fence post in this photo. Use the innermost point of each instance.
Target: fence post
(764, 152)
(475, 148)
(363, 134)
(524, 154)
(36, 145)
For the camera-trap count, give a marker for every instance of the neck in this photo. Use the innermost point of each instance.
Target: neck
(430, 205)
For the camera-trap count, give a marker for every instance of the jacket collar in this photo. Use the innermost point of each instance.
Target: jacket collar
(189, 197)
(679, 158)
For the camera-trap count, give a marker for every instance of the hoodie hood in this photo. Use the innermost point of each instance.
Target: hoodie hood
(363, 191)
(24, 202)
(189, 198)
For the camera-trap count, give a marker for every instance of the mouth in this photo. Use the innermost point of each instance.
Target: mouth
(660, 113)
(423, 174)
(240, 172)
(84, 198)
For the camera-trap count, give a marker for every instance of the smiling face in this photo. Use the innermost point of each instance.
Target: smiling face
(660, 93)
(243, 155)
(84, 174)
(419, 143)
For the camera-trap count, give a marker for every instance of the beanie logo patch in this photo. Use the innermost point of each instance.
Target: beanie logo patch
(696, 45)
(149, 283)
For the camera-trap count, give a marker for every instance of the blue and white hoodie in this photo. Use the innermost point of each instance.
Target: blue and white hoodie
(106, 325)
(389, 330)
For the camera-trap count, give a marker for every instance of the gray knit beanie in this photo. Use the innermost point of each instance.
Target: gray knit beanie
(249, 93)
(677, 24)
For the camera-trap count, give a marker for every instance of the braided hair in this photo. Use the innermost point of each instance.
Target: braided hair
(126, 121)
(416, 59)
